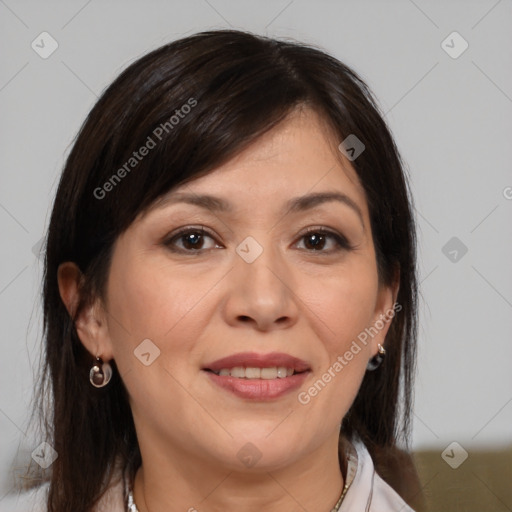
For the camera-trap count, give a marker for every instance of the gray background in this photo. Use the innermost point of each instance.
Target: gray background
(452, 121)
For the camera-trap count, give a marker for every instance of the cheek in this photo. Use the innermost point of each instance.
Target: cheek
(344, 304)
(151, 301)
(148, 302)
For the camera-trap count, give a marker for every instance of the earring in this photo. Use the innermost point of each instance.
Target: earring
(376, 360)
(100, 373)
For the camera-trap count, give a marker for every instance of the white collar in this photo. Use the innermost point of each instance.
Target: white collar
(364, 489)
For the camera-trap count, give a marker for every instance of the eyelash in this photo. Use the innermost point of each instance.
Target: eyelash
(341, 242)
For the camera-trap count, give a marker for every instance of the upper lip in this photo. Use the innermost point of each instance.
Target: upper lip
(254, 360)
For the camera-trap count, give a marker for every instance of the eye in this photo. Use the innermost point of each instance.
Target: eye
(317, 238)
(192, 240)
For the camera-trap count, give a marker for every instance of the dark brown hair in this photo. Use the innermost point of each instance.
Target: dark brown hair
(239, 86)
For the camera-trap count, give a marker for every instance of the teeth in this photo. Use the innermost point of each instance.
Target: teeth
(252, 373)
(269, 373)
(238, 371)
(257, 373)
(281, 372)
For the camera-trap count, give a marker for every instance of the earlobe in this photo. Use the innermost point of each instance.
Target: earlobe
(69, 278)
(90, 324)
(384, 312)
(386, 302)
(388, 295)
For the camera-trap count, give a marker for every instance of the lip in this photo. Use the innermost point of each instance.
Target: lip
(255, 360)
(258, 389)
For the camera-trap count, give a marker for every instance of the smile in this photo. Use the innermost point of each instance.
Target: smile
(240, 372)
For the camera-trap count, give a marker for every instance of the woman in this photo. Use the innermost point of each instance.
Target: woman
(230, 290)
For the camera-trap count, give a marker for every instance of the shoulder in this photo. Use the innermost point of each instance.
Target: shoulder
(368, 491)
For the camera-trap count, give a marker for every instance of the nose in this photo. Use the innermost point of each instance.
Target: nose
(261, 293)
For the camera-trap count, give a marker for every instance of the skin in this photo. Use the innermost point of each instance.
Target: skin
(198, 308)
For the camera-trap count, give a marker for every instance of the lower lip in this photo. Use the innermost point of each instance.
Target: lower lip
(259, 389)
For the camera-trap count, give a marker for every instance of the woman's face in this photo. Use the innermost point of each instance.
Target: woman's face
(253, 287)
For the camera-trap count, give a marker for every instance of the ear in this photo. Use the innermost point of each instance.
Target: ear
(385, 310)
(91, 321)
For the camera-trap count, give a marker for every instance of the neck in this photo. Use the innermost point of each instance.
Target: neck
(173, 483)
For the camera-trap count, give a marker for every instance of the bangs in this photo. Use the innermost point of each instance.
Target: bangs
(172, 123)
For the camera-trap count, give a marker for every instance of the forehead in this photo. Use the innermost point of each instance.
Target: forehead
(297, 157)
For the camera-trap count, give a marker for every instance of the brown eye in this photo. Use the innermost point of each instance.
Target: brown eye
(317, 239)
(189, 240)
(193, 240)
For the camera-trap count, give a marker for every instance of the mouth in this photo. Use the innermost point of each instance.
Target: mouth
(239, 372)
(258, 376)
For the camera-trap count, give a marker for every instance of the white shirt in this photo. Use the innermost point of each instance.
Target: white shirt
(367, 492)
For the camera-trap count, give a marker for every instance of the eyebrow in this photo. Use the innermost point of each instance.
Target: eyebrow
(294, 205)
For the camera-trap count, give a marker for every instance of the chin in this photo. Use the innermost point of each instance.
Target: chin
(263, 451)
